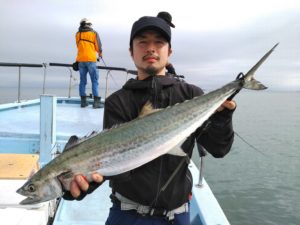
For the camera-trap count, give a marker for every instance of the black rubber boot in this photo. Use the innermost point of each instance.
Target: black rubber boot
(96, 104)
(84, 102)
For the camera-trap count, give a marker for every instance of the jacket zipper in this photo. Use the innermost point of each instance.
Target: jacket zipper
(154, 92)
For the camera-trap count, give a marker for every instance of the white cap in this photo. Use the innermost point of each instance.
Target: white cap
(85, 21)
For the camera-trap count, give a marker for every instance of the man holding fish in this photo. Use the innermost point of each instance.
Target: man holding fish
(157, 192)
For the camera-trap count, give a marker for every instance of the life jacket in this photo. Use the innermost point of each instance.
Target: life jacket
(88, 44)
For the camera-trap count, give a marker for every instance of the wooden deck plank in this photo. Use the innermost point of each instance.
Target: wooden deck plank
(18, 166)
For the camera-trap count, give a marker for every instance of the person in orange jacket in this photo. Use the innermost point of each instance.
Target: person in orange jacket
(88, 45)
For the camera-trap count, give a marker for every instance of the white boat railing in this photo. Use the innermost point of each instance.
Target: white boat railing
(69, 67)
(20, 65)
(107, 68)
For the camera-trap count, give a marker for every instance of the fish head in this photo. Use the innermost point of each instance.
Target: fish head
(38, 191)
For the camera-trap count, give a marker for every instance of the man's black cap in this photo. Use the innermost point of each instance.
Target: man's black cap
(167, 17)
(151, 23)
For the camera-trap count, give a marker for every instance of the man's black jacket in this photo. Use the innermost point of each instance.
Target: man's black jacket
(143, 185)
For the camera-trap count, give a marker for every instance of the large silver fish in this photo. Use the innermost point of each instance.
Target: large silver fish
(131, 144)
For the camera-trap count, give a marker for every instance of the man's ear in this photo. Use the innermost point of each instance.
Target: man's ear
(131, 52)
(170, 51)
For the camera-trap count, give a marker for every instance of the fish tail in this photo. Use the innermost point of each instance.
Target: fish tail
(253, 84)
(249, 81)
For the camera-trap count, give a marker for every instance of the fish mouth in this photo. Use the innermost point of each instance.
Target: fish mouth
(21, 192)
(31, 201)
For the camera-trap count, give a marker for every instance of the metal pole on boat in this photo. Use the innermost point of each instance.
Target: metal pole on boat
(127, 74)
(19, 86)
(106, 88)
(201, 167)
(70, 83)
(47, 128)
(44, 81)
(19, 79)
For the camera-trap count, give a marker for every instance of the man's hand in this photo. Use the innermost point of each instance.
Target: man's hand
(228, 105)
(81, 184)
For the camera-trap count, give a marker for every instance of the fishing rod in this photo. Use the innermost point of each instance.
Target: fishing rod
(116, 85)
(250, 145)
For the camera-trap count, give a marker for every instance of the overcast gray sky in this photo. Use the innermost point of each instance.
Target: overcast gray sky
(213, 40)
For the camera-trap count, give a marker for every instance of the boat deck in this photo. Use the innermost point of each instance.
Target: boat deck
(20, 124)
(24, 119)
(19, 148)
(92, 210)
(20, 134)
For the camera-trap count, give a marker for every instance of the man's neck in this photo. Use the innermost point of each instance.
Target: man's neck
(142, 75)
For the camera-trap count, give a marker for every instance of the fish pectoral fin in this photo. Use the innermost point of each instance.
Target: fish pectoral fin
(147, 110)
(73, 140)
(177, 151)
(65, 179)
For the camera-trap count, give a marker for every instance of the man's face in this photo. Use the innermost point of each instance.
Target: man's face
(150, 52)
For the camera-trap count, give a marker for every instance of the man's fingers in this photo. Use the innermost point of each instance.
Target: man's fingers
(74, 189)
(97, 177)
(77, 185)
(81, 182)
(229, 105)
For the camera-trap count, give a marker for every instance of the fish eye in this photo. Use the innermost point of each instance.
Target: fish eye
(31, 188)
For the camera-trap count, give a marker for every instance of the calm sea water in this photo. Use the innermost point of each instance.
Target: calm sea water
(253, 186)
(256, 188)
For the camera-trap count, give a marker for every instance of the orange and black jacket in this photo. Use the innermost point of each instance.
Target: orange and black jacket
(88, 45)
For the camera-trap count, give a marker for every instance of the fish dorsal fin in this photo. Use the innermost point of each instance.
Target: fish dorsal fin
(147, 110)
(73, 140)
(93, 133)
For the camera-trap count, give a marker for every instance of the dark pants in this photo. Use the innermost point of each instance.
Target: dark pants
(130, 217)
